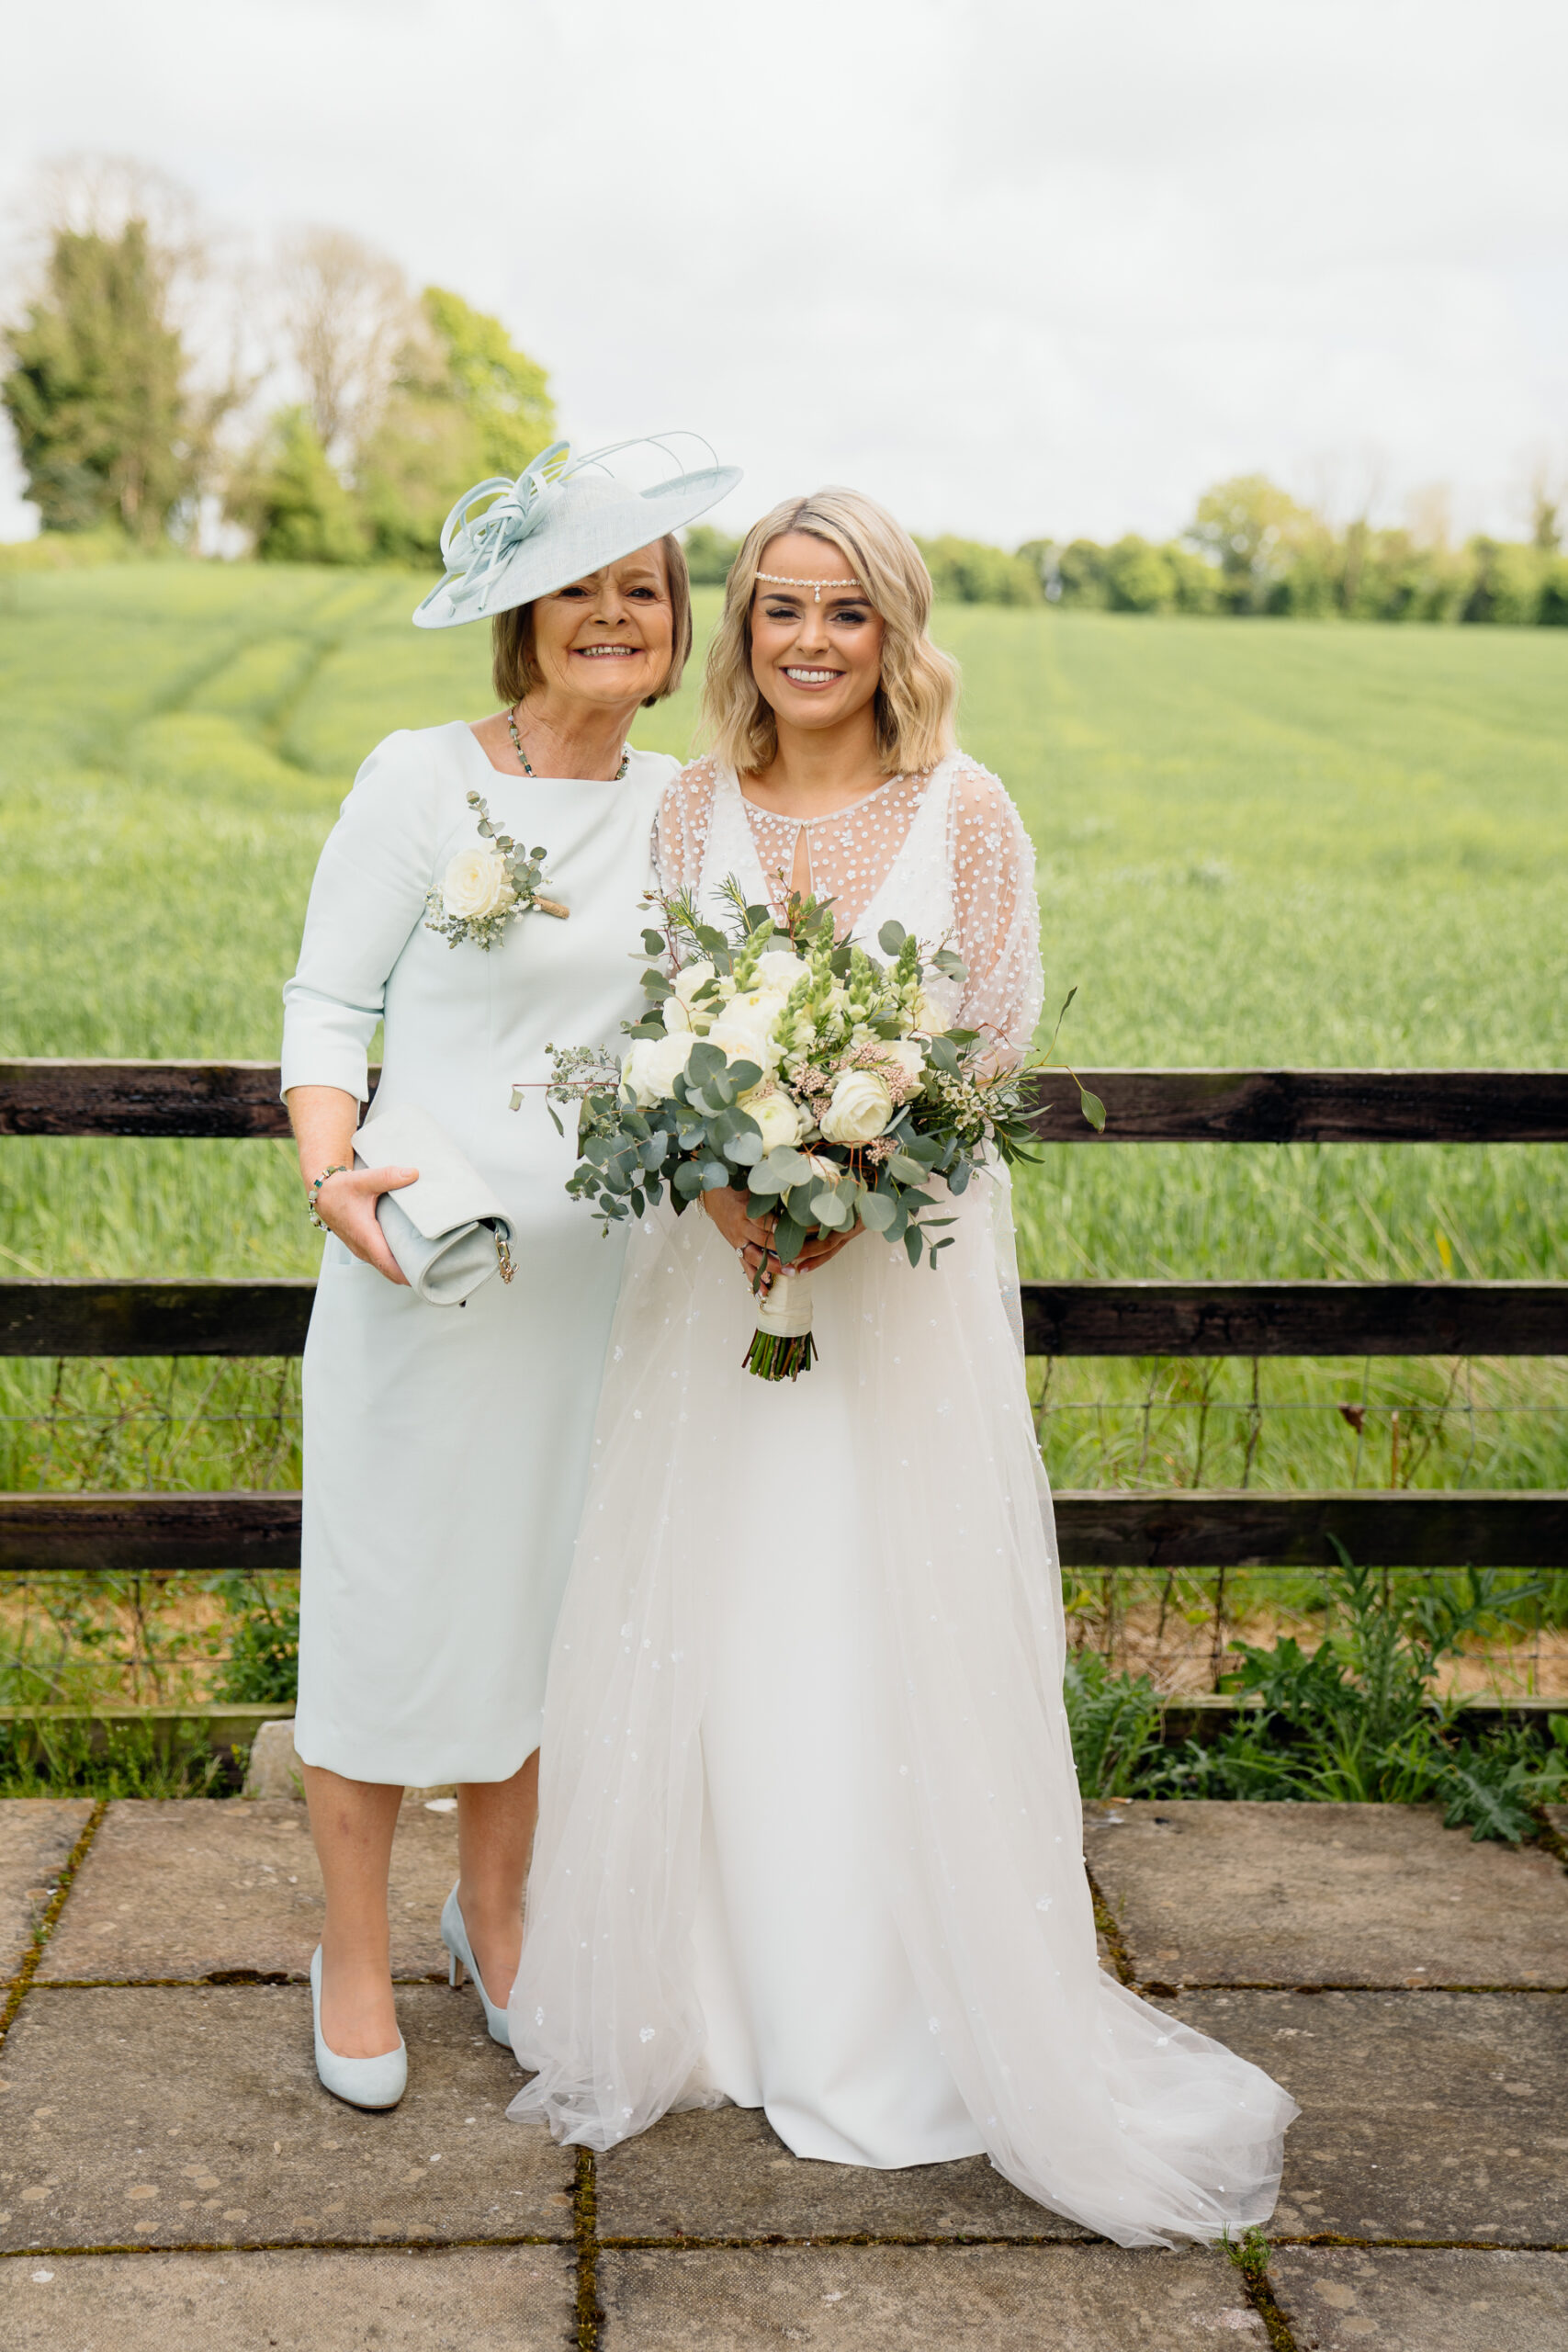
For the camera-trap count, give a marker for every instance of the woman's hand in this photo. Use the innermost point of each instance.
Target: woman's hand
(752, 1237)
(324, 1119)
(346, 1207)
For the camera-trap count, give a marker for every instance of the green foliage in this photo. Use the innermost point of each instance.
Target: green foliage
(39, 1758)
(968, 572)
(1114, 1720)
(1352, 1720)
(262, 1637)
(709, 555)
(94, 388)
(466, 404)
(293, 501)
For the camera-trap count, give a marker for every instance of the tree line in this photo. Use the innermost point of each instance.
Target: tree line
(396, 398)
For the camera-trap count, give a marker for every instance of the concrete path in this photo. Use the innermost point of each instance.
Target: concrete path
(173, 2177)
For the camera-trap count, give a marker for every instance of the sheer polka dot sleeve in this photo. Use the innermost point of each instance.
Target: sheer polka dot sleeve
(997, 911)
(680, 828)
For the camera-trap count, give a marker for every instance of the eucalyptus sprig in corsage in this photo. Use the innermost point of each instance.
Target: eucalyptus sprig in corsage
(485, 889)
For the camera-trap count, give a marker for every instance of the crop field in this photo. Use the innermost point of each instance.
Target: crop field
(1258, 843)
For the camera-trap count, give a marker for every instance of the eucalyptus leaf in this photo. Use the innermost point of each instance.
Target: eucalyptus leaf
(905, 1169)
(877, 1211)
(1093, 1110)
(827, 1209)
(687, 1180)
(891, 937)
(715, 1175)
(745, 1074)
(742, 1149)
(790, 1238)
(912, 1245)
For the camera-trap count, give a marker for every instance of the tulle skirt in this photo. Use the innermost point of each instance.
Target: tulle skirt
(809, 1832)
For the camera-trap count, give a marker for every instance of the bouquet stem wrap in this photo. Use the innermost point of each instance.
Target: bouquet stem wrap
(781, 1347)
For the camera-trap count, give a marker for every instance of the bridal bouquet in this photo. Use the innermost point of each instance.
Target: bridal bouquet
(778, 1062)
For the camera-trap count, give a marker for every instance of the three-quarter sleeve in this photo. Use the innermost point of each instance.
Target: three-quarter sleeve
(680, 828)
(366, 899)
(997, 911)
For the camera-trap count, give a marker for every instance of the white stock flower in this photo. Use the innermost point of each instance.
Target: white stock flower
(776, 1114)
(859, 1109)
(690, 979)
(474, 884)
(653, 1065)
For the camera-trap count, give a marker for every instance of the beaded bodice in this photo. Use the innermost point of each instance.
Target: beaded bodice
(945, 851)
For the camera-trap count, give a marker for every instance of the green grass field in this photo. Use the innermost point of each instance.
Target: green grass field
(1259, 843)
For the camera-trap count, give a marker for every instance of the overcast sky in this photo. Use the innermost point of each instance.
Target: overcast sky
(1018, 268)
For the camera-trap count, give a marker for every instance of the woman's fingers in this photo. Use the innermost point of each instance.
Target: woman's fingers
(389, 1180)
(346, 1205)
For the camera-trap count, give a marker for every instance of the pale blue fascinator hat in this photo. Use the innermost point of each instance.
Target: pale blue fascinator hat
(506, 542)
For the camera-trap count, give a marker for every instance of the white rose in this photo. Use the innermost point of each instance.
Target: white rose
(904, 1055)
(690, 979)
(744, 1032)
(859, 1109)
(779, 969)
(777, 1116)
(676, 1015)
(474, 884)
(653, 1065)
(930, 1017)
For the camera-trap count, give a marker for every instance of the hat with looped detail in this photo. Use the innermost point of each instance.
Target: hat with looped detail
(506, 542)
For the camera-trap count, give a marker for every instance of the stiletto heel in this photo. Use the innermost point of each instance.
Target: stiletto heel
(377, 2082)
(455, 1935)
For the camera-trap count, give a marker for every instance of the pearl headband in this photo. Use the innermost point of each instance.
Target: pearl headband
(782, 579)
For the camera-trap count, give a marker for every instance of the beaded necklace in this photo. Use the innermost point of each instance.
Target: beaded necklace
(619, 776)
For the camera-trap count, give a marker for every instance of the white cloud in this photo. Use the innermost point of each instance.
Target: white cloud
(1013, 267)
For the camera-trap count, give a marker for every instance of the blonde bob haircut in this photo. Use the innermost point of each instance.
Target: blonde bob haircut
(516, 671)
(919, 688)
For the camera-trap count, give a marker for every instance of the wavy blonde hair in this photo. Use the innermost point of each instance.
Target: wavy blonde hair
(919, 688)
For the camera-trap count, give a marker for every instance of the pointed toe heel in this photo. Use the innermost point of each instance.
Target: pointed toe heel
(460, 1959)
(377, 2082)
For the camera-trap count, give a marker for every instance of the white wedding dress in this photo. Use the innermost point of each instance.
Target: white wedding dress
(810, 1836)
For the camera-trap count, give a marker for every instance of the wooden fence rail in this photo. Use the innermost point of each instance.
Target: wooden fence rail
(239, 1099)
(1180, 1528)
(199, 1317)
(41, 1534)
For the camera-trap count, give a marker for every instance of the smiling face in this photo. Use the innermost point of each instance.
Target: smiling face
(815, 659)
(608, 638)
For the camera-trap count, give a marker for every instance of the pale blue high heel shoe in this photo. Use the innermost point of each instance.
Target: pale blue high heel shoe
(455, 1935)
(362, 2082)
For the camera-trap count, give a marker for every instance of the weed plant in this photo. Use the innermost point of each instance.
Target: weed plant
(1352, 1720)
(38, 1759)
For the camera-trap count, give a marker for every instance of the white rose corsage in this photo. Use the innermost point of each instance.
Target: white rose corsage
(487, 886)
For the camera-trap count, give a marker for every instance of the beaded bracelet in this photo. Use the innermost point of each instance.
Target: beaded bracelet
(316, 1218)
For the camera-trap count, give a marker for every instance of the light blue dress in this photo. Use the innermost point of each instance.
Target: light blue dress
(446, 1449)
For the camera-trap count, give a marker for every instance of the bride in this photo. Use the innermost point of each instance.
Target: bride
(810, 1832)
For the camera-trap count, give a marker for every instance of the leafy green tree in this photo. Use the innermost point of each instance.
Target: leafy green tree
(290, 497)
(967, 571)
(1256, 532)
(709, 555)
(465, 402)
(1080, 575)
(96, 388)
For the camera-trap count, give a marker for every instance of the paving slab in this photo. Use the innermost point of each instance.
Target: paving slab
(1215, 1893)
(1341, 2299)
(192, 2115)
(915, 2299)
(197, 1888)
(36, 1838)
(724, 2173)
(500, 2298)
(1424, 2115)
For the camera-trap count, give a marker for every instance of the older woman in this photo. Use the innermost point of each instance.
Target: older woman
(446, 1447)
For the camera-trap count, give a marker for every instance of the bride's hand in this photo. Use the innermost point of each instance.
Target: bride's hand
(752, 1238)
